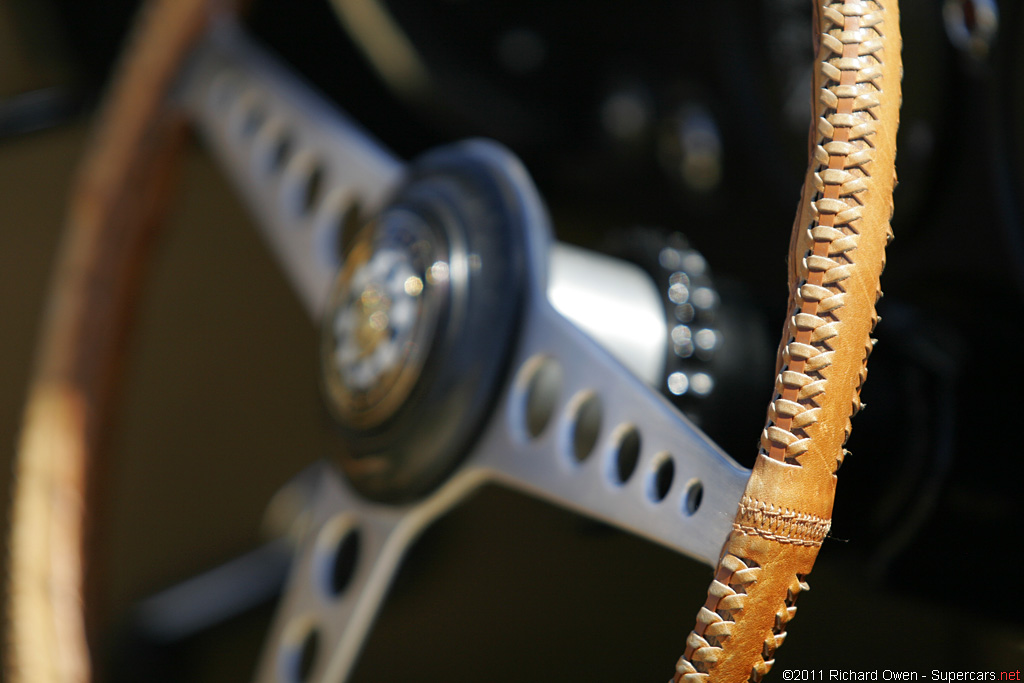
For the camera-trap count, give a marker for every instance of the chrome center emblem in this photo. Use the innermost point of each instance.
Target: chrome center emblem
(381, 319)
(373, 328)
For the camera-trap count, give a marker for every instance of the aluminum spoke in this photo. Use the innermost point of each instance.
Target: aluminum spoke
(299, 164)
(576, 428)
(341, 574)
(565, 424)
(571, 424)
(339, 606)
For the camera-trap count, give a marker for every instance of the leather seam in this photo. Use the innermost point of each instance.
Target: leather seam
(747, 530)
(758, 518)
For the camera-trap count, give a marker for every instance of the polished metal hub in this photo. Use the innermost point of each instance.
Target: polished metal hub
(372, 329)
(382, 317)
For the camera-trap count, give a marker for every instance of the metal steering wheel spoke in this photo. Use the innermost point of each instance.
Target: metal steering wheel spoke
(302, 166)
(636, 464)
(553, 413)
(350, 552)
(574, 427)
(354, 547)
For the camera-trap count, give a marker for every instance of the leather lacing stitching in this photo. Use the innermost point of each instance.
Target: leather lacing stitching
(758, 518)
(843, 151)
(716, 619)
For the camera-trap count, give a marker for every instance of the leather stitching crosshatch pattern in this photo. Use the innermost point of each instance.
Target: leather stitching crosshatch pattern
(837, 255)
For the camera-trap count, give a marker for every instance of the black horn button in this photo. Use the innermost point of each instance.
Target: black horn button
(421, 321)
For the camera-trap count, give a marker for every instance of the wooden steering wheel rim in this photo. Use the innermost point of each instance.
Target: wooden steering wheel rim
(836, 258)
(118, 199)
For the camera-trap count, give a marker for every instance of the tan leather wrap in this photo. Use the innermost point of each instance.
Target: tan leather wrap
(119, 195)
(837, 254)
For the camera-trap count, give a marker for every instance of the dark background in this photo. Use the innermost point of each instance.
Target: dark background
(221, 404)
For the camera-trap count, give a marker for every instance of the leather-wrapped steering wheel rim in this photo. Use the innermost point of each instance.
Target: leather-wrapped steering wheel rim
(836, 258)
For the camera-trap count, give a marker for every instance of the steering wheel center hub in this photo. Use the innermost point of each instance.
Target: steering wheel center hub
(422, 319)
(381, 319)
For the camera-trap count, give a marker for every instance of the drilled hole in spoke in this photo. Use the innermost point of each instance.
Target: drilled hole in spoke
(626, 454)
(586, 425)
(661, 478)
(312, 188)
(693, 496)
(543, 387)
(280, 150)
(253, 117)
(304, 183)
(337, 227)
(299, 652)
(339, 549)
(343, 566)
(272, 148)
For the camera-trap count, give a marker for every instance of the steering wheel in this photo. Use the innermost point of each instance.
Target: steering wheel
(447, 359)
